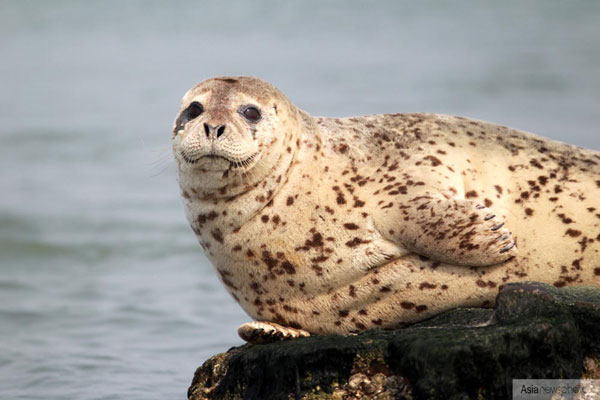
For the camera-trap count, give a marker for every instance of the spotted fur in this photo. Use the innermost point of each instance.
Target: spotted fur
(337, 225)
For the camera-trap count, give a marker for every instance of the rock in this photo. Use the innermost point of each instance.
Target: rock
(534, 331)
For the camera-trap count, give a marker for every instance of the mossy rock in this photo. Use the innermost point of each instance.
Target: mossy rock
(535, 331)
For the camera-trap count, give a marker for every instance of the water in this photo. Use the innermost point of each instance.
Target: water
(104, 293)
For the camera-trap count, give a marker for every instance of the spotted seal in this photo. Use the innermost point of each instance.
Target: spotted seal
(337, 225)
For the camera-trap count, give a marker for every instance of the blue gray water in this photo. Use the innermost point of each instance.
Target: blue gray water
(104, 293)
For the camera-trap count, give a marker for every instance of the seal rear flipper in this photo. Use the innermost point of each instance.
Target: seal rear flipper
(260, 332)
(454, 231)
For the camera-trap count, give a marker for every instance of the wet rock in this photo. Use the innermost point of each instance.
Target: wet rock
(535, 331)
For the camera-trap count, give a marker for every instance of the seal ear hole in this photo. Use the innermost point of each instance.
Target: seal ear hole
(251, 113)
(194, 110)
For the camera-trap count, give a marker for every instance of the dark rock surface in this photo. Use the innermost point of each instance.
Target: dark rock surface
(534, 331)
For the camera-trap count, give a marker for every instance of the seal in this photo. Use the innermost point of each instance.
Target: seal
(337, 225)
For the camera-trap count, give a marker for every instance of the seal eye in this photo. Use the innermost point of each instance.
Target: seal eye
(194, 110)
(251, 113)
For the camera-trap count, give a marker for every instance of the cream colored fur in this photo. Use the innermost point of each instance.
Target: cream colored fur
(337, 225)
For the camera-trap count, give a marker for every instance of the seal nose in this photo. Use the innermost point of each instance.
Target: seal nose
(214, 131)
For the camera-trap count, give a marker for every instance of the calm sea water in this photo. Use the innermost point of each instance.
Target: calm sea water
(104, 293)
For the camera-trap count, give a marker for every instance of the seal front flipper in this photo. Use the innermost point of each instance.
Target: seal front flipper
(454, 231)
(260, 332)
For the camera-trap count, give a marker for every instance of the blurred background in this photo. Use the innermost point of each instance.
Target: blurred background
(104, 292)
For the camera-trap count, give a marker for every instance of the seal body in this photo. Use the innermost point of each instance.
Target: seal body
(337, 225)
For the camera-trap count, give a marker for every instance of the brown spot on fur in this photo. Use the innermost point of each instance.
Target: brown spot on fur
(356, 241)
(559, 284)
(573, 232)
(237, 247)
(340, 199)
(557, 189)
(488, 202)
(319, 259)
(420, 308)
(536, 163)
(565, 219)
(596, 271)
(289, 201)
(529, 211)
(264, 218)
(351, 226)
(498, 189)
(227, 282)
(471, 194)
(202, 218)
(316, 241)
(288, 267)
(217, 235)
(434, 161)
(227, 80)
(358, 203)
(268, 259)
(352, 291)
(343, 313)
(407, 305)
(427, 285)
(342, 148)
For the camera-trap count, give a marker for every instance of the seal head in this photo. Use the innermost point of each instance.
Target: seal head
(231, 133)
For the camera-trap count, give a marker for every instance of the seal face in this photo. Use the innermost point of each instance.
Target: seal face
(229, 136)
(337, 225)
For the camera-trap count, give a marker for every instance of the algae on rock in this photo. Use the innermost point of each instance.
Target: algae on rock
(534, 331)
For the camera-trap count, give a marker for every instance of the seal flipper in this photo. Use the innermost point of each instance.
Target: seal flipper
(455, 231)
(260, 332)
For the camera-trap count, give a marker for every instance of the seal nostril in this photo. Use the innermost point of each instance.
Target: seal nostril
(220, 130)
(206, 129)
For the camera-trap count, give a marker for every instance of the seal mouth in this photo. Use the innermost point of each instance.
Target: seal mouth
(188, 159)
(214, 157)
